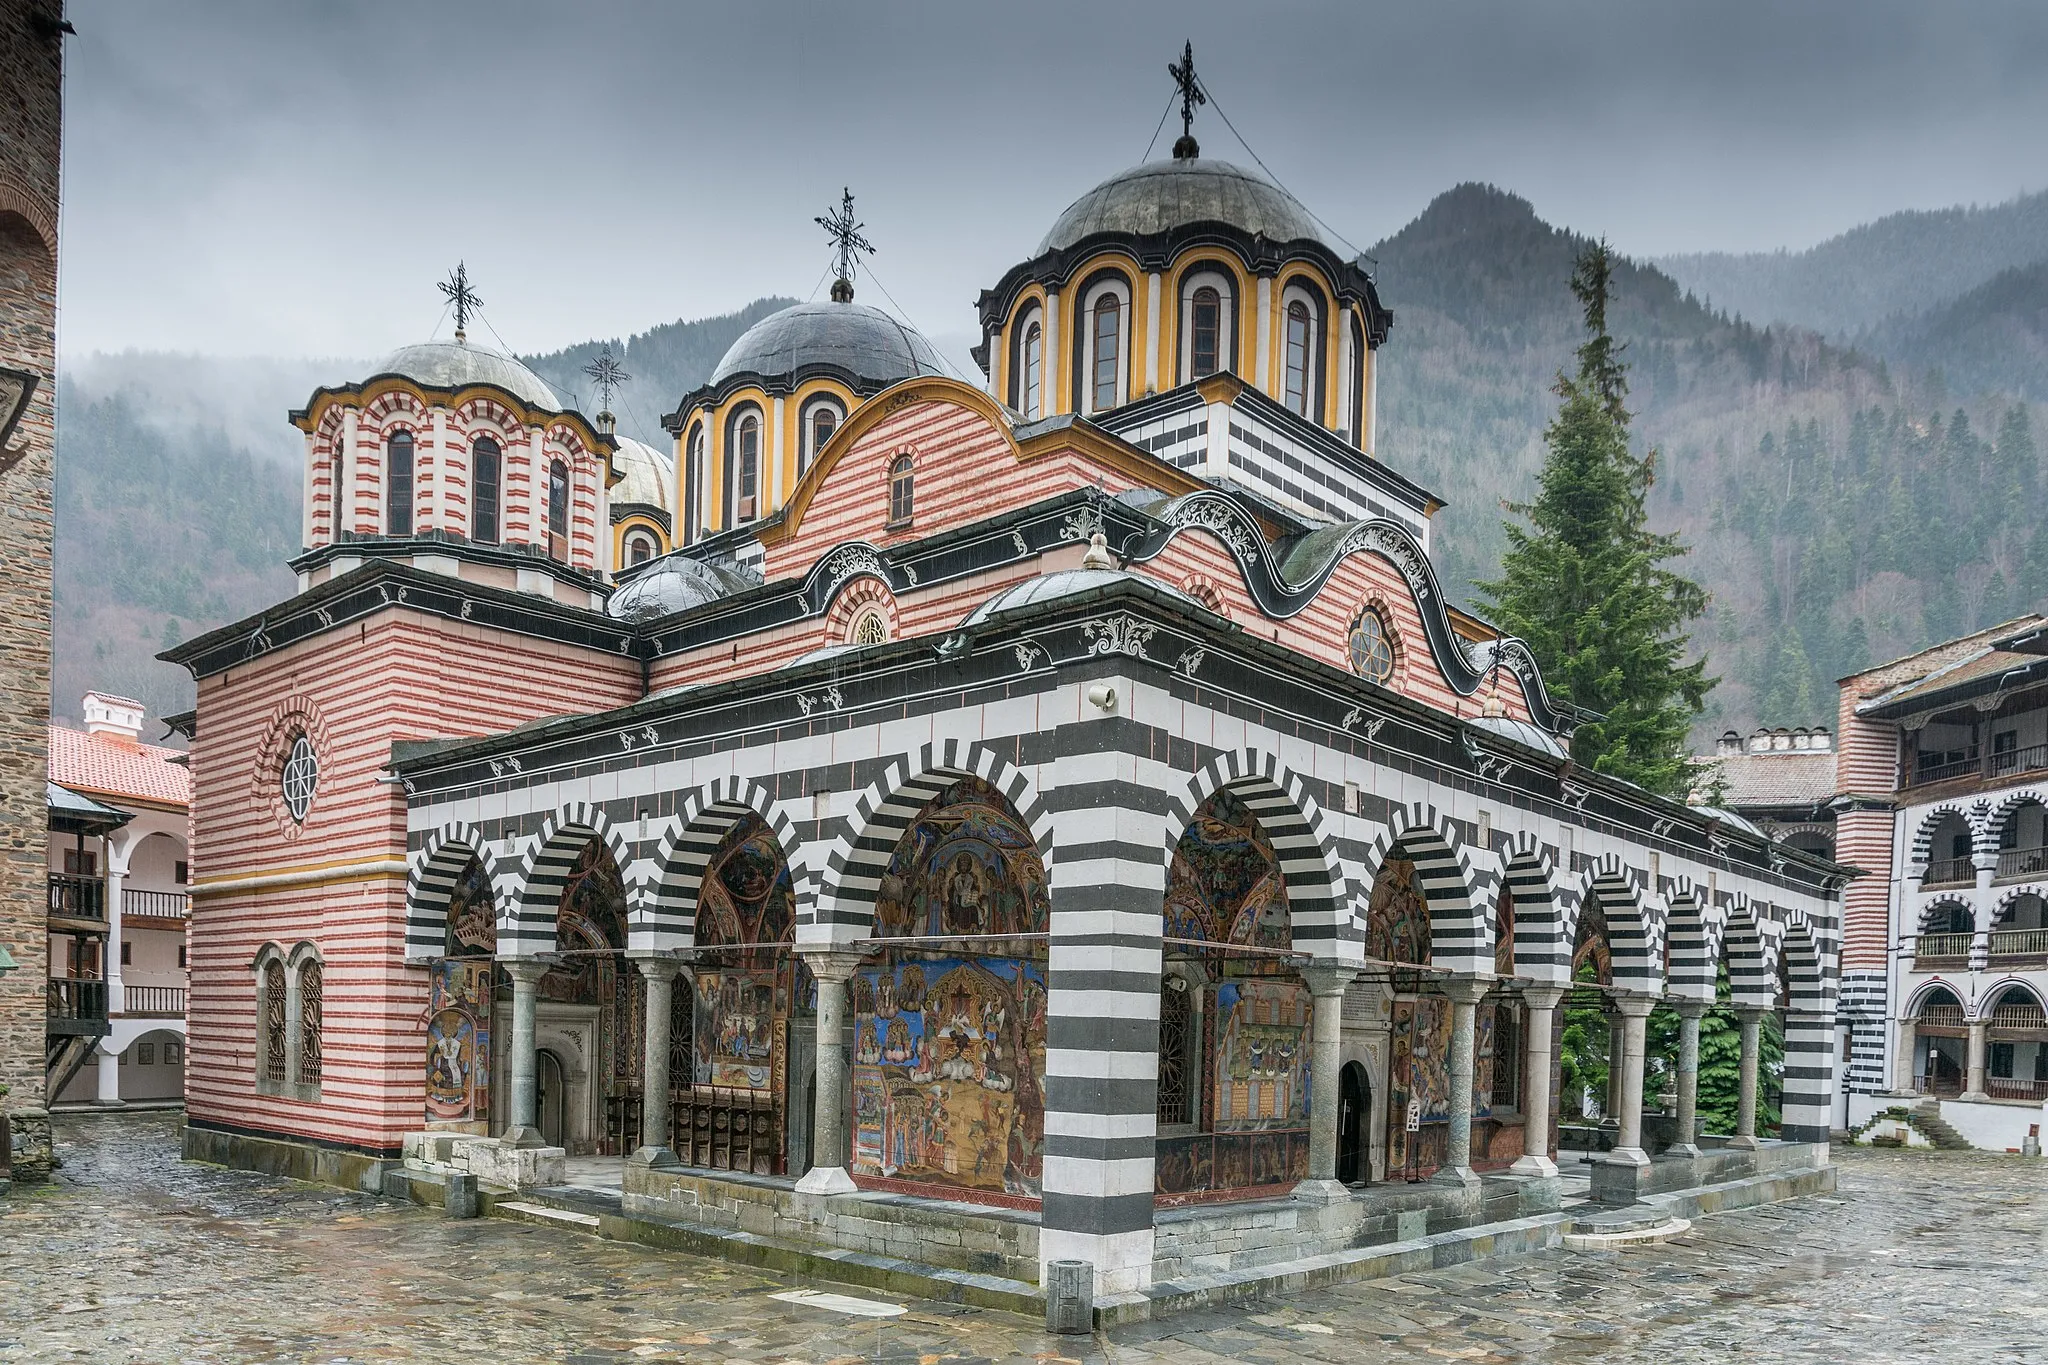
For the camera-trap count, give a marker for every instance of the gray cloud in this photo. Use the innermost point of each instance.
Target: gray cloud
(253, 177)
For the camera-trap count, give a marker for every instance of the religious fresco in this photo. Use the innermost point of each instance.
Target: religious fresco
(739, 1028)
(1262, 1054)
(1224, 885)
(949, 1046)
(1422, 1072)
(459, 995)
(1591, 958)
(1397, 917)
(1504, 933)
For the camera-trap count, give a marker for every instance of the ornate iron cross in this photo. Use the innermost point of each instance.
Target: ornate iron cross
(846, 239)
(1183, 73)
(608, 374)
(466, 300)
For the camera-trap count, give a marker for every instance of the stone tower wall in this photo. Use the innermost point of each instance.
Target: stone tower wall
(31, 80)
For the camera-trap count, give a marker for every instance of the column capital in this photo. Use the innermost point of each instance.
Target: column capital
(1467, 990)
(524, 971)
(1634, 1006)
(836, 965)
(1752, 1014)
(656, 965)
(1689, 1008)
(1542, 997)
(1328, 978)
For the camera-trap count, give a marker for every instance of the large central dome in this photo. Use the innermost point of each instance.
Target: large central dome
(457, 364)
(852, 338)
(1162, 195)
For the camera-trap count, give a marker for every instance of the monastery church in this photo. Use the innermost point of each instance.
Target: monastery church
(1062, 808)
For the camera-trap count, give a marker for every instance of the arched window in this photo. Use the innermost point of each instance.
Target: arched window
(1371, 646)
(558, 511)
(902, 492)
(310, 982)
(1034, 371)
(639, 547)
(1206, 329)
(398, 484)
(824, 421)
(483, 491)
(868, 627)
(1298, 351)
(1176, 1095)
(694, 474)
(746, 455)
(274, 1028)
(1108, 333)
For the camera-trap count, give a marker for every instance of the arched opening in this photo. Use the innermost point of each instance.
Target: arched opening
(948, 1075)
(1948, 853)
(1354, 1108)
(2020, 929)
(551, 1097)
(1811, 841)
(1947, 928)
(2016, 1047)
(639, 547)
(483, 491)
(1205, 332)
(902, 492)
(461, 984)
(752, 1003)
(1105, 371)
(1300, 351)
(1034, 371)
(398, 451)
(1941, 1044)
(821, 422)
(152, 1069)
(2023, 843)
(1243, 1054)
(558, 511)
(1588, 1030)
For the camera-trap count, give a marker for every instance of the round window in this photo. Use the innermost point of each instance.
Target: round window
(1372, 647)
(301, 776)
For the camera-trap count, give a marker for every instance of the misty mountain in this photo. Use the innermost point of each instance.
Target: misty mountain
(1994, 338)
(1842, 506)
(1902, 263)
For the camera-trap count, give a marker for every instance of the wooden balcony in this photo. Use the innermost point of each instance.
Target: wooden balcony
(76, 1007)
(1926, 770)
(153, 1002)
(78, 899)
(2022, 864)
(2009, 1089)
(2007, 944)
(1932, 951)
(1949, 872)
(155, 904)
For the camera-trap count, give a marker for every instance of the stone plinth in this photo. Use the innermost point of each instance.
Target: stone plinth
(493, 1161)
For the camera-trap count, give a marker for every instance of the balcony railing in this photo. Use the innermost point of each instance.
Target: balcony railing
(1941, 1016)
(2019, 1019)
(2015, 1090)
(162, 904)
(82, 1000)
(78, 897)
(1931, 946)
(1942, 1087)
(1943, 767)
(166, 1002)
(2019, 942)
(1950, 872)
(2022, 862)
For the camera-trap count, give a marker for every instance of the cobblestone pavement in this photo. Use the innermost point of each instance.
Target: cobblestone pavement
(134, 1256)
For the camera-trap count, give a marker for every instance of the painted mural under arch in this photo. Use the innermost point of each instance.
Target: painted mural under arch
(949, 1029)
(460, 992)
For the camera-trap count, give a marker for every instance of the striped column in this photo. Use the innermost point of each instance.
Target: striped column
(1108, 880)
(1809, 1102)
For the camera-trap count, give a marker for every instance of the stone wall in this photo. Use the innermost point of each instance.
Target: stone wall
(31, 70)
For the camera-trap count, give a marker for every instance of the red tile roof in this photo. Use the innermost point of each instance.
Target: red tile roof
(110, 765)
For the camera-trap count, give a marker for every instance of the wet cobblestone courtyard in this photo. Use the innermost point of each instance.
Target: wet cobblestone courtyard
(132, 1255)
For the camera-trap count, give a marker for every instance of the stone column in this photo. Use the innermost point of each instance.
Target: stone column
(1628, 1144)
(1751, 1019)
(1610, 1103)
(1540, 1003)
(522, 1130)
(110, 1076)
(1973, 1088)
(1326, 983)
(1902, 1063)
(1465, 993)
(116, 876)
(660, 974)
(828, 1132)
(1689, 1014)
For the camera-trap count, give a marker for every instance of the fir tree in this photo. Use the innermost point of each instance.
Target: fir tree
(1585, 584)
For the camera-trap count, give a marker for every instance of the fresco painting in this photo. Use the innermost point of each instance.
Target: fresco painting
(1224, 885)
(738, 1030)
(1421, 1071)
(459, 991)
(1262, 1055)
(1397, 917)
(965, 866)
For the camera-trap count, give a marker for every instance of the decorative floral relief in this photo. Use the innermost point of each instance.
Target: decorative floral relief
(1224, 522)
(1357, 719)
(848, 560)
(1191, 661)
(1027, 655)
(1119, 635)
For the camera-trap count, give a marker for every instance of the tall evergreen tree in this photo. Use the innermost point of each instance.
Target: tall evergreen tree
(1586, 582)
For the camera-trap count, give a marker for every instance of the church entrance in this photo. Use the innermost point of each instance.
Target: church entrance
(551, 1095)
(1354, 1106)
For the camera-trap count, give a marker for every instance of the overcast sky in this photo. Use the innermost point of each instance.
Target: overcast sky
(292, 178)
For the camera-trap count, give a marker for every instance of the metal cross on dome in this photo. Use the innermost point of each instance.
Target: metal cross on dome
(608, 374)
(845, 234)
(1183, 73)
(466, 300)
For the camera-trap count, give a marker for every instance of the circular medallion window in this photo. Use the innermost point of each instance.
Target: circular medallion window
(1372, 646)
(300, 777)
(869, 627)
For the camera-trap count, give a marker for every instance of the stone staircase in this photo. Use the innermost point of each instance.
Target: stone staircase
(1926, 1116)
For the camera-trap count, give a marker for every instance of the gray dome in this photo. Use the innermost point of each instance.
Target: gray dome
(452, 364)
(1161, 195)
(865, 342)
(1047, 587)
(671, 584)
(1521, 732)
(647, 477)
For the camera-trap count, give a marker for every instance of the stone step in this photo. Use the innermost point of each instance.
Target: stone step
(1663, 1229)
(1633, 1218)
(525, 1212)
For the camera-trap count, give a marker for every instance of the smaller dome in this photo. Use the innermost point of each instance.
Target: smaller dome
(670, 584)
(1521, 732)
(647, 477)
(1047, 587)
(861, 341)
(1159, 196)
(453, 364)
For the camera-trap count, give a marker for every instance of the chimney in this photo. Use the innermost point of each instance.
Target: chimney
(105, 715)
(1731, 744)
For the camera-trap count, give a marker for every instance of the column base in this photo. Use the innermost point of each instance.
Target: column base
(1457, 1177)
(1322, 1192)
(1743, 1144)
(654, 1158)
(523, 1136)
(1625, 1156)
(1530, 1164)
(826, 1180)
(1974, 1097)
(1684, 1149)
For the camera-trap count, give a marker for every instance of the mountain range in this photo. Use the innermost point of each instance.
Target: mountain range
(1854, 470)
